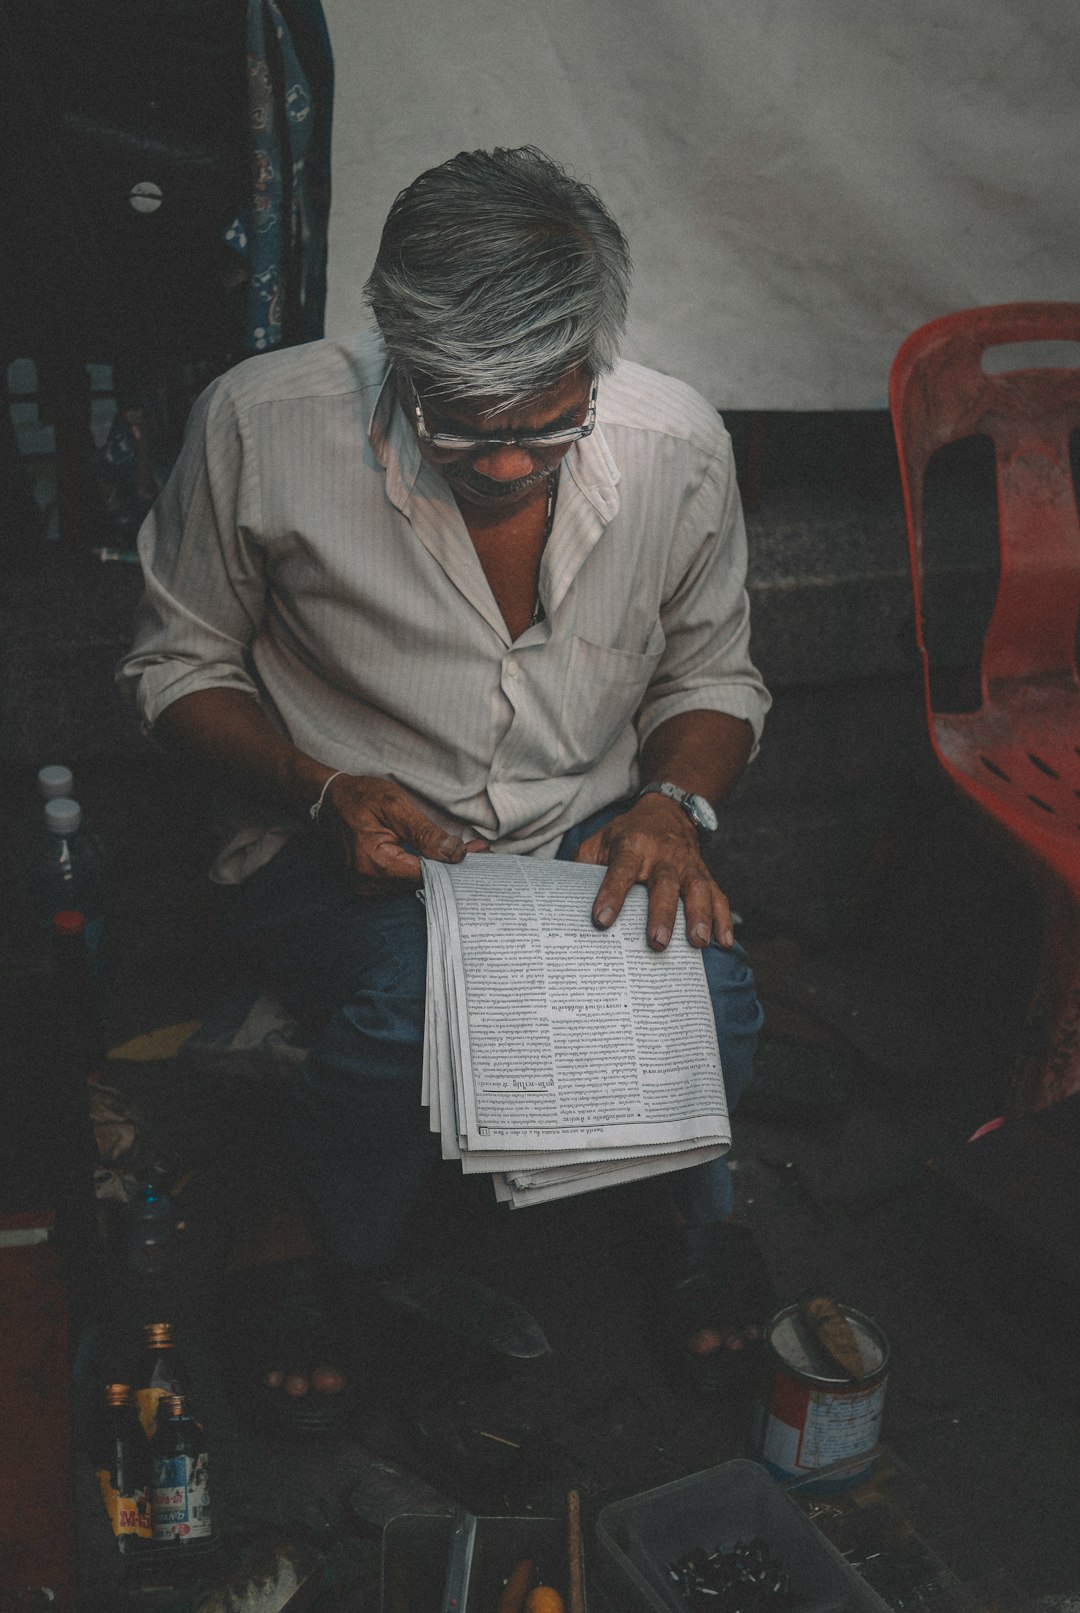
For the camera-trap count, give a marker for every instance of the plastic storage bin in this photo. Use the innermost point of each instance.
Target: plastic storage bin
(640, 1536)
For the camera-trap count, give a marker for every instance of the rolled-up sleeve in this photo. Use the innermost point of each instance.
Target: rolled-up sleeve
(203, 570)
(705, 615)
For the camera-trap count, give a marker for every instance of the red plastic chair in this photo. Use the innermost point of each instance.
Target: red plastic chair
(1018, 756)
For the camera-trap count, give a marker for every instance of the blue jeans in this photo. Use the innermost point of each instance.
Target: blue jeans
(352, 970)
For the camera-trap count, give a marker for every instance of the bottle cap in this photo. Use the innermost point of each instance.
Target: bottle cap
(54, 781)
(158, 1335)
(63, 815)
(69, 921)
(117, 1394)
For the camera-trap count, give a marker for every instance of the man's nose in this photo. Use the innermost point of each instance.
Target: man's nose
(506, 463)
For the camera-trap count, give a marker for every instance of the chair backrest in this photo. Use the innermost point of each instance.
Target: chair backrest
(940, 393)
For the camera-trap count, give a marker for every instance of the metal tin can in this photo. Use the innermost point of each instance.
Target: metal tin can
(806, 1421)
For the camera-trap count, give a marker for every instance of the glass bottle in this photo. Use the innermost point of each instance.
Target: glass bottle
(180, 1485)
(161, 1374)
(122, 1461)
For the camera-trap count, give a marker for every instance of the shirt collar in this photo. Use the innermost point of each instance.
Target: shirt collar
(394, 443)
(378, 426)
(592, 466)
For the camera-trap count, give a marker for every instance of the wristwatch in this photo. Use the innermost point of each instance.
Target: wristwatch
(696, 807)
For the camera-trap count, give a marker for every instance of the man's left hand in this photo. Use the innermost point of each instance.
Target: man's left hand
(654, 843)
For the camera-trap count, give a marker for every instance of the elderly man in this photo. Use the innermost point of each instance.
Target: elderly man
(465, 582)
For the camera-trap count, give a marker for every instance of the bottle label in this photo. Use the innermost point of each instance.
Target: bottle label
(181, 1498)
(148, 1401)
(128, 1514)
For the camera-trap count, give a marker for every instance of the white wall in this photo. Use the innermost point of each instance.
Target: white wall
(802, 182)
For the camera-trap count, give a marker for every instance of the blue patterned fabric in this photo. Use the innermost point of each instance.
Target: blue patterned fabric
(283, 235)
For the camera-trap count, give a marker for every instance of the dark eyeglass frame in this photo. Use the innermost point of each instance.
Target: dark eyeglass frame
(452, 442)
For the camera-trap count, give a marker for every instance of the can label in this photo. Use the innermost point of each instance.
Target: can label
(808, 1429)
(181, 1498)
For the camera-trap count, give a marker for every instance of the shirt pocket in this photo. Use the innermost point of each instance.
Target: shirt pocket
(604, 688)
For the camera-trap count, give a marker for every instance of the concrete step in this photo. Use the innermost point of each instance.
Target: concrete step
(829, 575)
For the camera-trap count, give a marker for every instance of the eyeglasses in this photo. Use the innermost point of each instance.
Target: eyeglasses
(457, 444)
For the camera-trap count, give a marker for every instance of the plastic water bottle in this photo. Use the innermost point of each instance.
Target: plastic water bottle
(55, 780)
(151, 1223)
(68, 874)
(76, 997)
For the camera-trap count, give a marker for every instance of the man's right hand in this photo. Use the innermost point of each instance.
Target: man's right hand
(372, 821)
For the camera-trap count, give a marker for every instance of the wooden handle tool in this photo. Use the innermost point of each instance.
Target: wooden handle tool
(575, 1555)
(833, 1334)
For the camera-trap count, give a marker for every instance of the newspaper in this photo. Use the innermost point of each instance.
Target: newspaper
(558, 1057)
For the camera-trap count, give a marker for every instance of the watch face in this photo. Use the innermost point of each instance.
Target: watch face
(702, 813)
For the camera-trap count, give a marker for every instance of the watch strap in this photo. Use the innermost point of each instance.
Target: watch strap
(691, 804)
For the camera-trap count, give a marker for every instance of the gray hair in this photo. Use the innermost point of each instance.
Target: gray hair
(497, 274)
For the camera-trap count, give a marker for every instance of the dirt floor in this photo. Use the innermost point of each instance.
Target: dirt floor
(894, 947)
(895, 943)
(889, 1039)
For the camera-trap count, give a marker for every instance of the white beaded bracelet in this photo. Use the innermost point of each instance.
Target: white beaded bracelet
(316, 807)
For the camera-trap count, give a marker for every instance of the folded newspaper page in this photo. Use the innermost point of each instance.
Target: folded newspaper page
(558, 1057)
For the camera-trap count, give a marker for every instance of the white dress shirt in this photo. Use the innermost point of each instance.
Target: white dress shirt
(305, 553)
